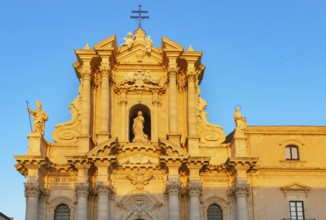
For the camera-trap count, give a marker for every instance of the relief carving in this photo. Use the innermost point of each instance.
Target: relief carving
(140, 80)
(140, 178)
(210, 134)
(68, 132)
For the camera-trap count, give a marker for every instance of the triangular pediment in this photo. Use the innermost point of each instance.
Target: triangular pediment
(109, 43)
(295, 187)
(137, 54)
(169, 45)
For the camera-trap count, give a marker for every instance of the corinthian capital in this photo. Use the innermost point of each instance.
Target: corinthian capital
(173, 188)
(240, 190)
(82, 189)
(102, 189)
(86, 75)
(32, 189)
(191, 77)
(194, 189)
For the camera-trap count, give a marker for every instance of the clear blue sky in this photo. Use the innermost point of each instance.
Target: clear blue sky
(267, 56)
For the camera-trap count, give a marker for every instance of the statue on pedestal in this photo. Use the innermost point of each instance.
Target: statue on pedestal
(129, 40)
(138, 129)
(40, 117)
(240, 122)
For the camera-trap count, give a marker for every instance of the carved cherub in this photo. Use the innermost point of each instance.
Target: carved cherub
(129, 40)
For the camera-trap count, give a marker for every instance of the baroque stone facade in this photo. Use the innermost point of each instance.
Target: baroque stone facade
(139, 146)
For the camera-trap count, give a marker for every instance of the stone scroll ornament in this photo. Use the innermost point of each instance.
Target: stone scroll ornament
(40, 117)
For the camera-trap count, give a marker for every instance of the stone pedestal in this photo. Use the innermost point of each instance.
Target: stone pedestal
(239, 147)
(37, 145)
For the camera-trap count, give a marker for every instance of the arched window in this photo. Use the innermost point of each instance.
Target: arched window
(133, 113)
(214, 212)
(291, 152)
(62, 212)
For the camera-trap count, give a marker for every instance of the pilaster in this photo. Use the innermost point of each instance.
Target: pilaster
(32, 194)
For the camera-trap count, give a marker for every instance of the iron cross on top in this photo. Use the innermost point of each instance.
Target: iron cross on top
(140, 17)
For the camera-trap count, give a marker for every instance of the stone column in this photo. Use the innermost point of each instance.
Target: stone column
(32, 193)
(104, 105)
(241, 193)
(194, 190)
(103, 201)
(84, 138)
(173, 189)
(192, 99)
(123, 124)
(155, 102)
(173, 105)
(82, 190)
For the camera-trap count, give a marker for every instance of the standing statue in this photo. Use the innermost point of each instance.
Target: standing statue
(40, 117)
(138, 129)
(129, 40)
(149, 44)
(240, 122)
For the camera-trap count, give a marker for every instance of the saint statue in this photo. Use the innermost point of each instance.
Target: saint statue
(240, 122)
(149, 44)
(138, 128)
(40, 117)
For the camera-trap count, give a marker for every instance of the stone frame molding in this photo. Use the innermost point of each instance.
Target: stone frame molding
(218, 201)
(61, 200)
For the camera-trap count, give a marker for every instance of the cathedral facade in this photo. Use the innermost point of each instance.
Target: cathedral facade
(139, 146)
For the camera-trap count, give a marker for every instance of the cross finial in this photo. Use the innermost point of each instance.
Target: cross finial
(140, 17)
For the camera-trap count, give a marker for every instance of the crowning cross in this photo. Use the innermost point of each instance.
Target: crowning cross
(140, 17)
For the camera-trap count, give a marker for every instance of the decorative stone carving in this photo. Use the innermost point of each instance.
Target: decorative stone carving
(82, 189)
(69, 131)
(240, 190)
(140, 177)
(138, 209)
(173, 188)
(138, 129)
(129, 40)
(40, 117)
(32, 189)
(240, 122)
(194, 189)
(140, 81)
(210, 134)
(102, 189)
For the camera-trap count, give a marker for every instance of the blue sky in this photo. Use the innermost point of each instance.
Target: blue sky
(267, 56)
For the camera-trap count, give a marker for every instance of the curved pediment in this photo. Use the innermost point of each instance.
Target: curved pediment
(171, 149)
(106, 148)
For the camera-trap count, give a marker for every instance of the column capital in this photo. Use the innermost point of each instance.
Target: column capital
(32, 189)
(173, 187)
(194, 188)
(103, 189)
(82, 189)
(86, 74)
(240, 190)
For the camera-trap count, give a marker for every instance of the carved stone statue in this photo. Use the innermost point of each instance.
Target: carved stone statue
(129, 40)
(240, 122)
(40, 117)
(138, 129)
(149, 44)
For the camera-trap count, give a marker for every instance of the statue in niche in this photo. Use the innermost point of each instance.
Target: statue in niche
(240, 122)
(129, 40)
(138, 129)
(40, 117)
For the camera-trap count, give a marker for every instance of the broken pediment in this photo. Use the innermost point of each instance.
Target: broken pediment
(106, 148)
(169, 45)
(109, 43)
